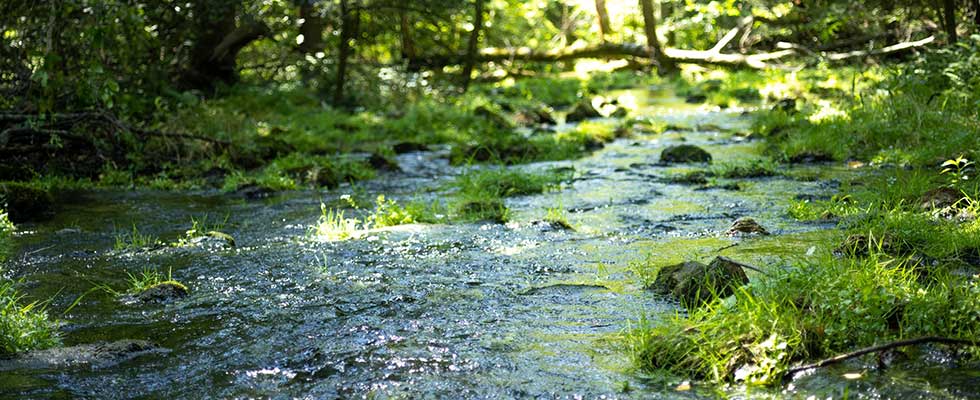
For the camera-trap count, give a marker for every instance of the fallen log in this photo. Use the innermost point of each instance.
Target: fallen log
(879, 348)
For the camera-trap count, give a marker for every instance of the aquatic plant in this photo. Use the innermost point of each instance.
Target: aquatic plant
(148, 278)
(23, 327)
(134, 240)
(387, 212)
(558, 216)
(480, 192)
(333, 226)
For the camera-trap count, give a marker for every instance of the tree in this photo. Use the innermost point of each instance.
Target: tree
(664, 64)
(471, 48)
(603, 14)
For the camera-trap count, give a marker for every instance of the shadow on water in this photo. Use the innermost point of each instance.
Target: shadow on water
(461, 310)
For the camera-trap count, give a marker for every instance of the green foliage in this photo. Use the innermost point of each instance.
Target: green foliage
(23, 327)
(6, 227)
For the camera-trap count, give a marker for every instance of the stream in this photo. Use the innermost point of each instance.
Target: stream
(461, 310)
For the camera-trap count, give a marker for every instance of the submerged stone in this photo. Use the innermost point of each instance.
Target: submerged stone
(95, 355)
(694, 283)
(163, 291)
(581, 111)
(684, 153)
(746, 226)
(24, 202)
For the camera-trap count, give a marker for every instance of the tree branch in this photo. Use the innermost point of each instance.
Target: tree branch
(879, 348)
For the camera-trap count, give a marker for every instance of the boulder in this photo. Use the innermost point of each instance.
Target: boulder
(24, 202)
(942, 197)
(684, 153)
(581, 111)
(746, 226)
(94, 355)
(694, 283)
(163, 292)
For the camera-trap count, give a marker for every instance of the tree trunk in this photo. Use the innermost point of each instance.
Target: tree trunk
(217, 41)
(408, 45)
(949, 14)
(312, 27)
(664, 64)
(976, 13)
(471, 48)
(343, 51)
(604, 28)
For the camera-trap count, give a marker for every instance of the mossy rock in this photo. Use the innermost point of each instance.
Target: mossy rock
(163, 291)
(746, 226)
(95, 355)
(24, 202)
(535, 116)
(694, 283)
(684, 153)
(582, 111)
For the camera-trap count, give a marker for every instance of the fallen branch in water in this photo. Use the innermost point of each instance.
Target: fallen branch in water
(882, 347)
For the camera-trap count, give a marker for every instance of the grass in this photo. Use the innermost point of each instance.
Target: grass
(919, 274)
(480, 192)
(134, 240)
(334, 226)
(148, 278)
(809, 312)
(23, 327)
(558, 216)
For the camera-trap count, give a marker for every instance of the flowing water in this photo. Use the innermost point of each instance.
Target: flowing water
(462, 310)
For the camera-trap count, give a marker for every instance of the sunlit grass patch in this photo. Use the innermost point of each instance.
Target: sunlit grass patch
(23, 327)
(149, 278)
(810, 311)
(333, 224)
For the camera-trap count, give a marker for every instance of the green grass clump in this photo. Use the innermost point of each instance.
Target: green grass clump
(808, 312)
(134, 240)
(480, 193)
(23, 327)
(334, 226)
(148, 278)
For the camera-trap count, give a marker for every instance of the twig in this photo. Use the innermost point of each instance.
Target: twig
(882, 347)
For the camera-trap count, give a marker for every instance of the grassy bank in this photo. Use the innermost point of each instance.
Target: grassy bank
(909, 266)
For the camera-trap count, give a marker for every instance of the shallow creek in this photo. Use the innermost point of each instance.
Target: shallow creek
(462, 310)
